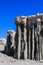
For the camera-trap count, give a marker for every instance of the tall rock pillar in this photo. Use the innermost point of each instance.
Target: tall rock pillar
(33, 36)
(19, 36)
(23, 20)
(25, 39)
(19, 41)
(39, 38)
(33, 42)
(29, 33)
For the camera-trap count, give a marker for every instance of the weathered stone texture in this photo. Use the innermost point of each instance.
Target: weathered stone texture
(27, 43)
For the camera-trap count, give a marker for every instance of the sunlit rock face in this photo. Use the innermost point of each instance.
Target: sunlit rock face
(27, 41)
(29, 36)
(3, 41)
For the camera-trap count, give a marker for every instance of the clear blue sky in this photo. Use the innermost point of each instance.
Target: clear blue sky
(9, 9)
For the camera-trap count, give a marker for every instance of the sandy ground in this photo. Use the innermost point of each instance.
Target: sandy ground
(21, 63)
(7, 60)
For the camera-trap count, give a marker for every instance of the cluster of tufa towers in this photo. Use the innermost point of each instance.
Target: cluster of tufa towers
(27, 41)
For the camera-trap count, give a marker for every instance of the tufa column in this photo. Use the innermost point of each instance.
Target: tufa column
(33, 42)
(23, 19)
(19, 36)
(39, 37)
(29, 22)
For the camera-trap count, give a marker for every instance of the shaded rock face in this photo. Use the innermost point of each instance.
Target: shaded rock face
(41, 32)
(29, 34)
(27, 42)
(10, 45)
